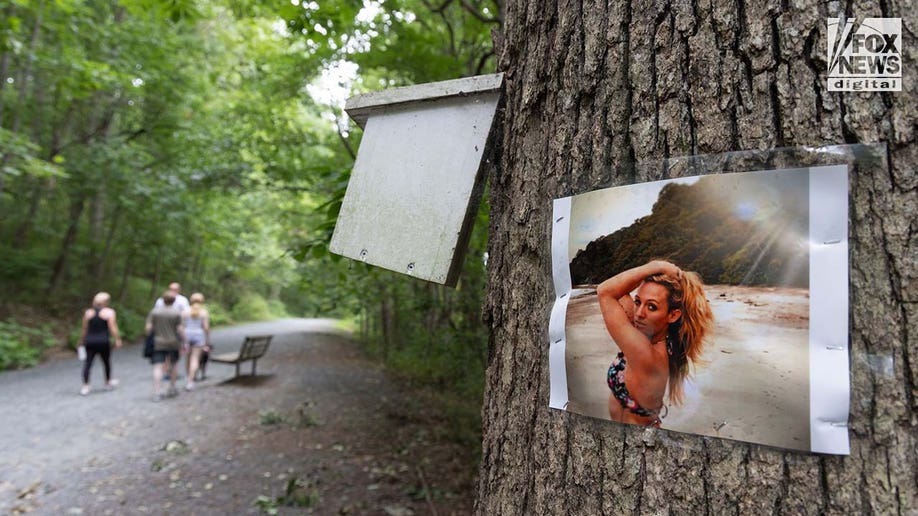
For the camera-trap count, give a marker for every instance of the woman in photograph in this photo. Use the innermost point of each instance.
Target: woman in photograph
(667, 331)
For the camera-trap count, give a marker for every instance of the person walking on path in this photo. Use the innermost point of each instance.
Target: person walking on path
(196, 320)
(168, 335)
(98, 328)
(181, 302)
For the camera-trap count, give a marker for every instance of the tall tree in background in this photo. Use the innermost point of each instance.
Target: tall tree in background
(143, 141)
(592, 86)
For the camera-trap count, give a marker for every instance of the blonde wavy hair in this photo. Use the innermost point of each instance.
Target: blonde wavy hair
(101, 300)
(197, 302)
(686, 337)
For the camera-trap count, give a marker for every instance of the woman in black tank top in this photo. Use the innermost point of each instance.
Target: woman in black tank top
(99, 327)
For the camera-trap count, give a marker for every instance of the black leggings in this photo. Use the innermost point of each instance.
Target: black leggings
(104, 351)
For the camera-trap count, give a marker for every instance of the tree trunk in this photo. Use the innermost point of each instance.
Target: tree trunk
(194, 270)
(23, 78)
(25, 74)
(365, 318)
(385, 317)
(97, 218)
(592, 86)
(101, 262)
(60, 265)
(432, 321)
(39, 187)
(5, 59)
(125, 276)
(155, 289)
(35, 185)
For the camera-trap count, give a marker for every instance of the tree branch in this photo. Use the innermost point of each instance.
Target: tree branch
(441, 10)
(477, 14)
(482, 61)
(344, 142)
(438, 10)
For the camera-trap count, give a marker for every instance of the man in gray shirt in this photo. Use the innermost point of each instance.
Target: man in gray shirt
(168, 335)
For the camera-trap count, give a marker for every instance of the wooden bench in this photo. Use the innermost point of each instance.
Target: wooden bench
(252, 349)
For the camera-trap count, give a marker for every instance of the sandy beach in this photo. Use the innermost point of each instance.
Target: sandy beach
(754, 385)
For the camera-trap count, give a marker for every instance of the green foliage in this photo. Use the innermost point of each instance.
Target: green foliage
(219, 316)
(270, 417)
(145, 146)
(463, 413)
(298, 492)
(400, 41)
(131, 324)
(21, 346)
(73, 337)
(252, 307)
(266, 504)
(433, 336)
(18, 156)
(150, 141)
(172, 10)
(277, 309)
(138, 294)
(22, 264)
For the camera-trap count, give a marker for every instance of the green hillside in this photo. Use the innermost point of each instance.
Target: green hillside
(738, 229)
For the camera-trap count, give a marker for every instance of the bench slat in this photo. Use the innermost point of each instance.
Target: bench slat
(229, 358)
(253, 348)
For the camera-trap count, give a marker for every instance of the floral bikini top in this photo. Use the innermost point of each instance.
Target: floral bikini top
(616, 380)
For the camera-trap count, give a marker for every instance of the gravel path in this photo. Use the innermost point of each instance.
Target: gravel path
(320, 429)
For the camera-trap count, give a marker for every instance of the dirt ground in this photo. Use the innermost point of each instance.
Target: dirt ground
(754, 384)
(321, 429)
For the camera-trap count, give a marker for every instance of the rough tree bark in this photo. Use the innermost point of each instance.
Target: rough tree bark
(592, 86)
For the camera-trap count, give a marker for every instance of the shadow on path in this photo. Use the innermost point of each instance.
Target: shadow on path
(249, 380)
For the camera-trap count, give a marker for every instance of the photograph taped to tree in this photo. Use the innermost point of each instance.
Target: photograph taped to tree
(715, 305)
